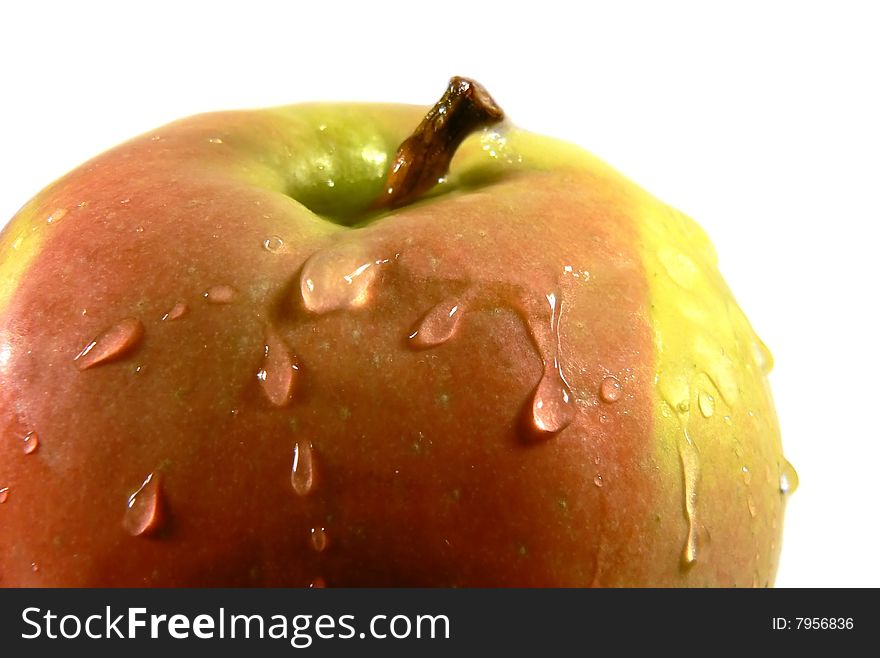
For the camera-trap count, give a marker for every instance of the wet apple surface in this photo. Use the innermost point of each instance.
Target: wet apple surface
(232, 355)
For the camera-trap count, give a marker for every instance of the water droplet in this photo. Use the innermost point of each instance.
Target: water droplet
(690, 464)
(113, 343)
(5, 354)
(273, 244)
(222, 294)
(215, 140)
(177, 311)
(56, 216)
(610, 390)
(278, 373)
(674, 388)
(753, 509)
(679, 266)
(598, 481)
(552, 404)
(722, 371)
(318, 583)
(337, 278)
(319, 539)
(552, 407)
(31, 442)
(763, 357)
(302, 475)
(4, 495)
(143, 513)
(684, 406)
(788, 479)
(747, 475)
(35, 567)
(706, 403)
(438, 325)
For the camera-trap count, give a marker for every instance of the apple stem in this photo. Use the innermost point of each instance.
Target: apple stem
(423, 158)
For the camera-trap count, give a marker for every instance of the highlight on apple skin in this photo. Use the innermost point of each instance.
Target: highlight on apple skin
(375, 345)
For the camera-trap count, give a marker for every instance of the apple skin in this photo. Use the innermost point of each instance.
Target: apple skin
(415, 467)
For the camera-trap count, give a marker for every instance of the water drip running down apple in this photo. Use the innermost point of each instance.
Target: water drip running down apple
(334, 345)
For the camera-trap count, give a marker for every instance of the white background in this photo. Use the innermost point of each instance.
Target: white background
(759, 119)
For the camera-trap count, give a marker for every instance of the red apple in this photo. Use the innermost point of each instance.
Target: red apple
(270, 348)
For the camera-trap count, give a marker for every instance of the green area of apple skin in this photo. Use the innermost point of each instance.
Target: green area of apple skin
(422, 476)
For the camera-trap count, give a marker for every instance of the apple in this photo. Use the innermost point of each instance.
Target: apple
(362, 345)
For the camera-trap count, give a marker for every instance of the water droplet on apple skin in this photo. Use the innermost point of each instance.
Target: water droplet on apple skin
(723, 374)
(552, 404)
(302, 473)
(318, 583)
(438, 326)
(319, 539)
(144, 510)
(788, 479)
(31, 443)
(690, 464)
(56, 216)
(679, 266)
(113, 343)
(279, 370)
(177, 311)
(273, 244)
(706, 403)
(610, 389)
(4, 494)
(338, 277)
(763, 357)
(221, 294)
